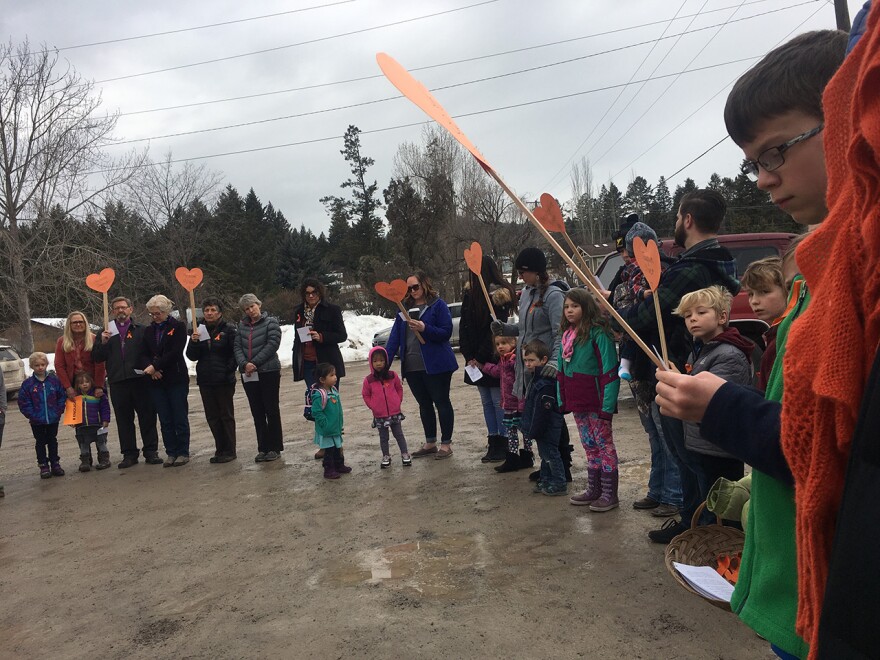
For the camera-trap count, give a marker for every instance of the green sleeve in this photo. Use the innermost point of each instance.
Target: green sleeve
(608, 351)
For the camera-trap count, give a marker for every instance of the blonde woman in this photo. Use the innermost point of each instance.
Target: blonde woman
(73, 353)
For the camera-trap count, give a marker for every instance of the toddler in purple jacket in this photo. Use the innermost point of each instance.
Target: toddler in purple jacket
(383, 394)
(96, 419)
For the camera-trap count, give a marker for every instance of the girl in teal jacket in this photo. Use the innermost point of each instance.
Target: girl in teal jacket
(588, 387)
(327, 412)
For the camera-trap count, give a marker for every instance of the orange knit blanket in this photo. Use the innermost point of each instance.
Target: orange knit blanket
(831, 347)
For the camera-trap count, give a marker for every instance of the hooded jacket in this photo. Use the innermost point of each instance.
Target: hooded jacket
(729, 356)
(705, 264)
(258, 342)
(42, 401)
(382, 396)
(541, 418)
(214, 356)
(505, 371)
(474, 334)
(96, 410)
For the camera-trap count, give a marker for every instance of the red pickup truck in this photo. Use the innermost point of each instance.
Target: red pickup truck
(745, 248)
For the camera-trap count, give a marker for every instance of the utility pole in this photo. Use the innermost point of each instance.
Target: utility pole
(841, 13)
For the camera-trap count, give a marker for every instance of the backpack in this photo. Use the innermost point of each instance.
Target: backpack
(307, 409)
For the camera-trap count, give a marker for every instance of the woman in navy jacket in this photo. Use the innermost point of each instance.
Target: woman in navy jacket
(427, 367)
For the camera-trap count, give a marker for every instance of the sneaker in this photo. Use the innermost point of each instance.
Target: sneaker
(260, 457)
(127, 462)
(152, 459)
(538, 488)
(406, 459)
(646, 503)
(226, 458)
(665, 511)
(45, 472)
(555, 491)
(386, 462)
(181, 460)
(271, 456)
(169, 461)
(671, 528)
(57, 471)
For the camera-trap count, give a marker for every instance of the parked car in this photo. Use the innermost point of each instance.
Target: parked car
(381, 337)
(745, 248)
(13, 369)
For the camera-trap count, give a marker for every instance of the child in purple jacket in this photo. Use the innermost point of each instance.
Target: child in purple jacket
(505, 371)
(96, 419)
(41, 399)
(383, 394)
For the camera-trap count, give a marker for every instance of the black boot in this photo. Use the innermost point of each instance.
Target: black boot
(511, 463)
(497, 449)
(526, 458)
(485, 457)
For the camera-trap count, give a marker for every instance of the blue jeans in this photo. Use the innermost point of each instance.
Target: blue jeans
(664, 484)
(690, 466)
(492, 412)
(173, 410)
(552, 469)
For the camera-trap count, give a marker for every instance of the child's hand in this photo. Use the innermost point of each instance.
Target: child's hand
(71, 393)
(99, 392)
(105, 424)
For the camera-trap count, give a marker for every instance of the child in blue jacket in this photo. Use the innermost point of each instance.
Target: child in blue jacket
(41, 399)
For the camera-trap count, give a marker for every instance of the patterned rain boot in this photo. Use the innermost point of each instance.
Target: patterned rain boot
(593, 491)
(609, 499)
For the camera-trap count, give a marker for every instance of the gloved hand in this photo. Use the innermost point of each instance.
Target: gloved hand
(549, 370)
(497, 327)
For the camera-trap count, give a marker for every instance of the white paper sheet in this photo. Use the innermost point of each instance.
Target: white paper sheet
(111, 327)
(473, 372)
(139, 372)
(102, 431)
(253, 378)
(303, 333)
(706, 581)
(203, 332)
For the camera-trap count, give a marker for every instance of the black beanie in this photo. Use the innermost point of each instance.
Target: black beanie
(531, 259)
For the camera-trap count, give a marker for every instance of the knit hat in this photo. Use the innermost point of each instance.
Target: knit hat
(641, 230)
(531, 259)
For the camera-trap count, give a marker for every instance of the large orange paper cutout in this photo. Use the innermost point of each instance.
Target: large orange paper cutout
(189, 279)
(648, 258)
(102, 281)
(551, 216)
(419, 94)
(73, 412)
(395, 290)
(473, 257)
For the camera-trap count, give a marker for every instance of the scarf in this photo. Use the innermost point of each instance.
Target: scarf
(568, 339)
(829, 349)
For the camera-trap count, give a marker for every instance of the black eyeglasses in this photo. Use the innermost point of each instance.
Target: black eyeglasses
(772, 158)
(77, 323)
(309, 294)
(414, 287)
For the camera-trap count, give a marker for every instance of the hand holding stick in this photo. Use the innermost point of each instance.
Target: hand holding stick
(395, 291)
(473, 257)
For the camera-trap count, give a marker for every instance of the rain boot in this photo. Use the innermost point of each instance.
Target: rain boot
(103, 460)
(330, 464)
(593, 491)
(497, 448)
(510, 464)
(339, 461)
(526, 459)
(85, 462)
(489, 445)
(608, 500)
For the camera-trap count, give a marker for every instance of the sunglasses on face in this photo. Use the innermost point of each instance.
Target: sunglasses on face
(414, 287)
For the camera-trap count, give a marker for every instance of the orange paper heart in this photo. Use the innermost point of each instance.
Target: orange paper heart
(189, 279)
(551, 215)
(395, 290)
(648, 258)
(473, 257)
(419, 94)
(102, 281)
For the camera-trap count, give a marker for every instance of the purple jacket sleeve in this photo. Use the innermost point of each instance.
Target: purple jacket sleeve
(743, 423)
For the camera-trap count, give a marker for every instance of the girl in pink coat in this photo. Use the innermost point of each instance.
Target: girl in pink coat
(383, 394)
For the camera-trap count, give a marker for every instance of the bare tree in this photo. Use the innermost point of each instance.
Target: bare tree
(52, 140)
(582, 201)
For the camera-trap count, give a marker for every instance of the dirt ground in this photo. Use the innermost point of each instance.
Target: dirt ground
(246, 560)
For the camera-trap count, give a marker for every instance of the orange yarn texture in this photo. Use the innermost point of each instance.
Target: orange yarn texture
(831, 347)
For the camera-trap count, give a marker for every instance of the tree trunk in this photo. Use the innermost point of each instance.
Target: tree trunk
(23, 305)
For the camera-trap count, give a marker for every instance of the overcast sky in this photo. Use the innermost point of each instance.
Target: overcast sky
(531, 146)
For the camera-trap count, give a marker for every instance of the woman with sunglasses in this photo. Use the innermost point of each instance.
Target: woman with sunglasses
(427, 367)
(73, 353)
(326, 330)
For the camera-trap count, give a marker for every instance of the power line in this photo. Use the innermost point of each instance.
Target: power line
(453, 62)
(199, 27)
(301, 43)
(697, 158)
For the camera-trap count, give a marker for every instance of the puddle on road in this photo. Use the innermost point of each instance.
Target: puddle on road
(441, 567)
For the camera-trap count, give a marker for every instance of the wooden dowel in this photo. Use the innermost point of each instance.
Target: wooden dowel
(488, 299)
(408, 319)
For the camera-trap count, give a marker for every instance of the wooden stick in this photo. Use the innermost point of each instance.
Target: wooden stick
(579, 255)
(660, 327)
(486, 293)
(192, 307)
(408, 319)
(106, 313)
(588, 281)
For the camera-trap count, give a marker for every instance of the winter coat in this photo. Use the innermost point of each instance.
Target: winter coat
(4, 404)
(214, 356)
(588, 380)
(65, 364)
(541, 414)
(383, 397)
(475, 340)
(121, 365)
(327, 411)
(505, 371)
(436, 351)
(165, 351)
(42, 401)
(729, 356)
(96, 410)
(258, 343)
(705, 264)
(539, 318)
(328, 322)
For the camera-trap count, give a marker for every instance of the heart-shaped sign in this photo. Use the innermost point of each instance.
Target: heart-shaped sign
(102, 281)
(189, 279)
(419, 94)
(648, 258)
(395, 290)
(473, 257)
(552, 219)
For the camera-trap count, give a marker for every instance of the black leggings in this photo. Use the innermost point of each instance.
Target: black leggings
(432, 390)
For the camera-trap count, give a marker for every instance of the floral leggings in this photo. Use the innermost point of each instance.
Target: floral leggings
(598, 441)
(511, 423)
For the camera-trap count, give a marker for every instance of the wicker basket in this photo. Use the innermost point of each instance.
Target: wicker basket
(701, 546)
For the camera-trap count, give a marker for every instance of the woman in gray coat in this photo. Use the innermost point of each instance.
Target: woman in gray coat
(256, 353)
